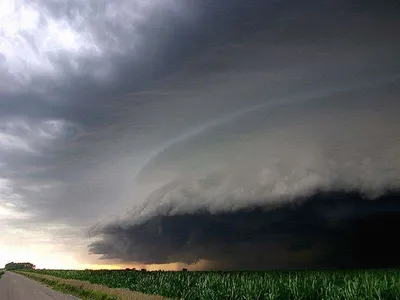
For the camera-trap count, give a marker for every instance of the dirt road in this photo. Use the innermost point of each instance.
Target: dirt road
(18, 287)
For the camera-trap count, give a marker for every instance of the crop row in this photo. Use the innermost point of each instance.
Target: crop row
(328, 285)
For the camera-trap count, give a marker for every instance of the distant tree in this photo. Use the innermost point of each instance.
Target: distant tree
(143, 270)
(184, 270)
(19, 266)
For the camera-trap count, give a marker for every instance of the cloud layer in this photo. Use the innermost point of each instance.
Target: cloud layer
(277, 161)
(161, 109)
(325, 230)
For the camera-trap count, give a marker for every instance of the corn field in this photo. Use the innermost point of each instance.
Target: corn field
(328, 285)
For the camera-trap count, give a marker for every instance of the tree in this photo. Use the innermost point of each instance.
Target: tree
(19, 266)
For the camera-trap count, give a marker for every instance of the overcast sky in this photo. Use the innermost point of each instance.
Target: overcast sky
(124, 122)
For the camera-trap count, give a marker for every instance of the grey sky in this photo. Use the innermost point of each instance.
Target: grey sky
(103, 104)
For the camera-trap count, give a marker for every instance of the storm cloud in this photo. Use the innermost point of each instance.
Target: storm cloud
(325, 230)
(148, 117)
(275, 186)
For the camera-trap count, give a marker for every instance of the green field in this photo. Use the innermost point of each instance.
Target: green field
(373, 284)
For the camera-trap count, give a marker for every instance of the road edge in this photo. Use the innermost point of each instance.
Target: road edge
(89, 290)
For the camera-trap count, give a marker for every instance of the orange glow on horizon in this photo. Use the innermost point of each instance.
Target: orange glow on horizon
(201, 265)
(47, 257)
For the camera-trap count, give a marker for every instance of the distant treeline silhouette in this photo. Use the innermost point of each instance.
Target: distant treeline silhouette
(19, 266)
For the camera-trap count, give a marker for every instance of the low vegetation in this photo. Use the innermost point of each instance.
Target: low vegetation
(87, 290)
(328, 285)
(71, 289)
(1, 273)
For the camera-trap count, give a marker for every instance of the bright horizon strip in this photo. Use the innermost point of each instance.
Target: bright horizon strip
(44, 257)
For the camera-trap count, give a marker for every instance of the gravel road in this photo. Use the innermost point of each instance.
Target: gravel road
(17, 287)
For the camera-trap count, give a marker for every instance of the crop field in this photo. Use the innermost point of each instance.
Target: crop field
(369, 284)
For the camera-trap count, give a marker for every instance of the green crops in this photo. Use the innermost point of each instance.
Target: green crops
(332, 285)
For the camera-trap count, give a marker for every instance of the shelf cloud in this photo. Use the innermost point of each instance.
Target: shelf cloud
(179, 131)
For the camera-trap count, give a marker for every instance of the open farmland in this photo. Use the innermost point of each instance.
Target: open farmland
(335, 285)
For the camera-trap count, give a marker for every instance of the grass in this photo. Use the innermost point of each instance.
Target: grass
(1, 273)
(296, 285)
(70, 289)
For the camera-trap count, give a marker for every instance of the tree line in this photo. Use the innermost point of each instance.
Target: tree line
(19, 266)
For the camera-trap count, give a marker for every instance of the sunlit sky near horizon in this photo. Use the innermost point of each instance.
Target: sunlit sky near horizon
(133, 133)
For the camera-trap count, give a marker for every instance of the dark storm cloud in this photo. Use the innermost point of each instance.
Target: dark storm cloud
(130, 45)
(215, 175)
(127, 81)
(327, 229)
(76, 97)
